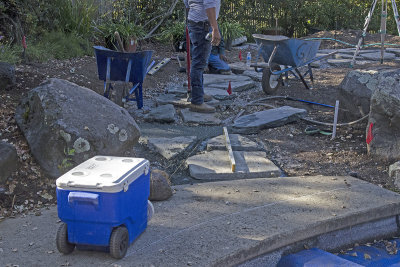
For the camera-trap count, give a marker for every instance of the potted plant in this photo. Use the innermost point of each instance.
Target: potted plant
(230, 31)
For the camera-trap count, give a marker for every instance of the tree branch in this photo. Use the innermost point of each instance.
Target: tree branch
(169, 13)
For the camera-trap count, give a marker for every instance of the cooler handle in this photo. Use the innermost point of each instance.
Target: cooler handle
(83, 197)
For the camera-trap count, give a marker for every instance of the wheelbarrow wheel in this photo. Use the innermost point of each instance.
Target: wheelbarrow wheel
(119, 242)
(270, 82)
(150, 210)
(62, 240)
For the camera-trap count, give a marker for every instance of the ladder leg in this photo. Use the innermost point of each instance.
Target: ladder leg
(383, 28)
(367, 21)
(396, 15)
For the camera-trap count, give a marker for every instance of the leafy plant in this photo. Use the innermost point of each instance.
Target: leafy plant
(172, 33)
(125, 29)
(231, 30)
(77, 16)
(67, 162)
(9, 53)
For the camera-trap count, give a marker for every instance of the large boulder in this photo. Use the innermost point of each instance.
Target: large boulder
(160, 186)
(385, 118)
(66, 124)
(8, 161)
(7, 75)
(357, 88)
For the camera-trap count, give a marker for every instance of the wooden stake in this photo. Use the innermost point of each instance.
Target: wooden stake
(229, 147)
(335, 120)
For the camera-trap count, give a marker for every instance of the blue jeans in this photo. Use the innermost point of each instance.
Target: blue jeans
(200, 49)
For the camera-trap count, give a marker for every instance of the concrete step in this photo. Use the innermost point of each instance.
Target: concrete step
(221, 223)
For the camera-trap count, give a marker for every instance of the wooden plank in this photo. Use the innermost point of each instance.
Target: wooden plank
(229, 147)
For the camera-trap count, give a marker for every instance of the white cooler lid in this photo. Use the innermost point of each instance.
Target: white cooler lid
(104, 174)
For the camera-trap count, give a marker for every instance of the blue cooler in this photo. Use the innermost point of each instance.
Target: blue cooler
(103, 203)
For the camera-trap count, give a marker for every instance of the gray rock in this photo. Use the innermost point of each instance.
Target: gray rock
(177, 101)
(212, 79)
(345, 63)
(160, 186)
(171, 147)
(8, 161)
(395, 51)
(238, 143)
(7, 75)
(255, 76)
(238, 86)
(199, 118)
(179, 91)
(384, 115)
(376, 56)
(66, 124)
(253, 123)
(239, 67)
(357, 88)
(239, 41)
(165, 113)
(215, 165)
(394, 172)
(218, 94)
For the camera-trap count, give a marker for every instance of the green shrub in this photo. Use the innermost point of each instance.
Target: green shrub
(172, 33)
(10, 54)
(231, 30)
(125, 29)
(77, 16)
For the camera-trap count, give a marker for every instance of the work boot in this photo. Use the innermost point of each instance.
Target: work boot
(207, 98)
(203, 108)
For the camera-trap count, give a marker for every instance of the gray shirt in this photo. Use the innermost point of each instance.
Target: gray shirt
(197, 8)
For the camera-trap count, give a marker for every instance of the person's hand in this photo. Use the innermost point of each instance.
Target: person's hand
(216, 37)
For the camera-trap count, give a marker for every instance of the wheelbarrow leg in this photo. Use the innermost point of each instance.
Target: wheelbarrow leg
(139, 96)
(311, 76)
(302, 78)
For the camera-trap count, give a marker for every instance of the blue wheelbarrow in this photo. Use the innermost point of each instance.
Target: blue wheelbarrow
(114, 66)
(292, 54)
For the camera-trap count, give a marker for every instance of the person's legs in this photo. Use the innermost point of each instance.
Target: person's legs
(200, 51)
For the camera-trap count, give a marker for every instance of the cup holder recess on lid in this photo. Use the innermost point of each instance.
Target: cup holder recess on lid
(101, 159)
(78, 173)
(127, 160)
(106, 175)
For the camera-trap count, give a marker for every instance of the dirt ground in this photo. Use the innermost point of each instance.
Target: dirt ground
(295, 152)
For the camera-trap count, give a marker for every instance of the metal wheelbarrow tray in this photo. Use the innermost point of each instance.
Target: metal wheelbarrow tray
(114, 66)
(290, 53)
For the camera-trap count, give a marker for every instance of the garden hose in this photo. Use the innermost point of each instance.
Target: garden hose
(342, 42)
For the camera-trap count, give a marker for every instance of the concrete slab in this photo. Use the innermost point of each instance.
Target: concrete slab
(238, 143)
(199, 118)
(377, 56)
(253, 123)
(216, 224)
(163, 114)
(171, 147)
(215, 165)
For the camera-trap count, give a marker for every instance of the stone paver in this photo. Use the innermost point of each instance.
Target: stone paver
(238, 143)
(346, 62)
(237, 86)
(179, 91)
(377, 56)
(164, 113)
(170, 147)
(212, 79)
(239, 67)
(253, 123)
(218, 93)
(173, 100)
(215, 165)
(216, 224)
(200, 118)
(255, 76)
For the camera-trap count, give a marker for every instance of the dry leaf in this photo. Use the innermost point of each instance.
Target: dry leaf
(354, 254)
(367, 256)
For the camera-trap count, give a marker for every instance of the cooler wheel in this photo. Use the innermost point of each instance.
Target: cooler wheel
(150, 210)
(62, 240)
(119, 242)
